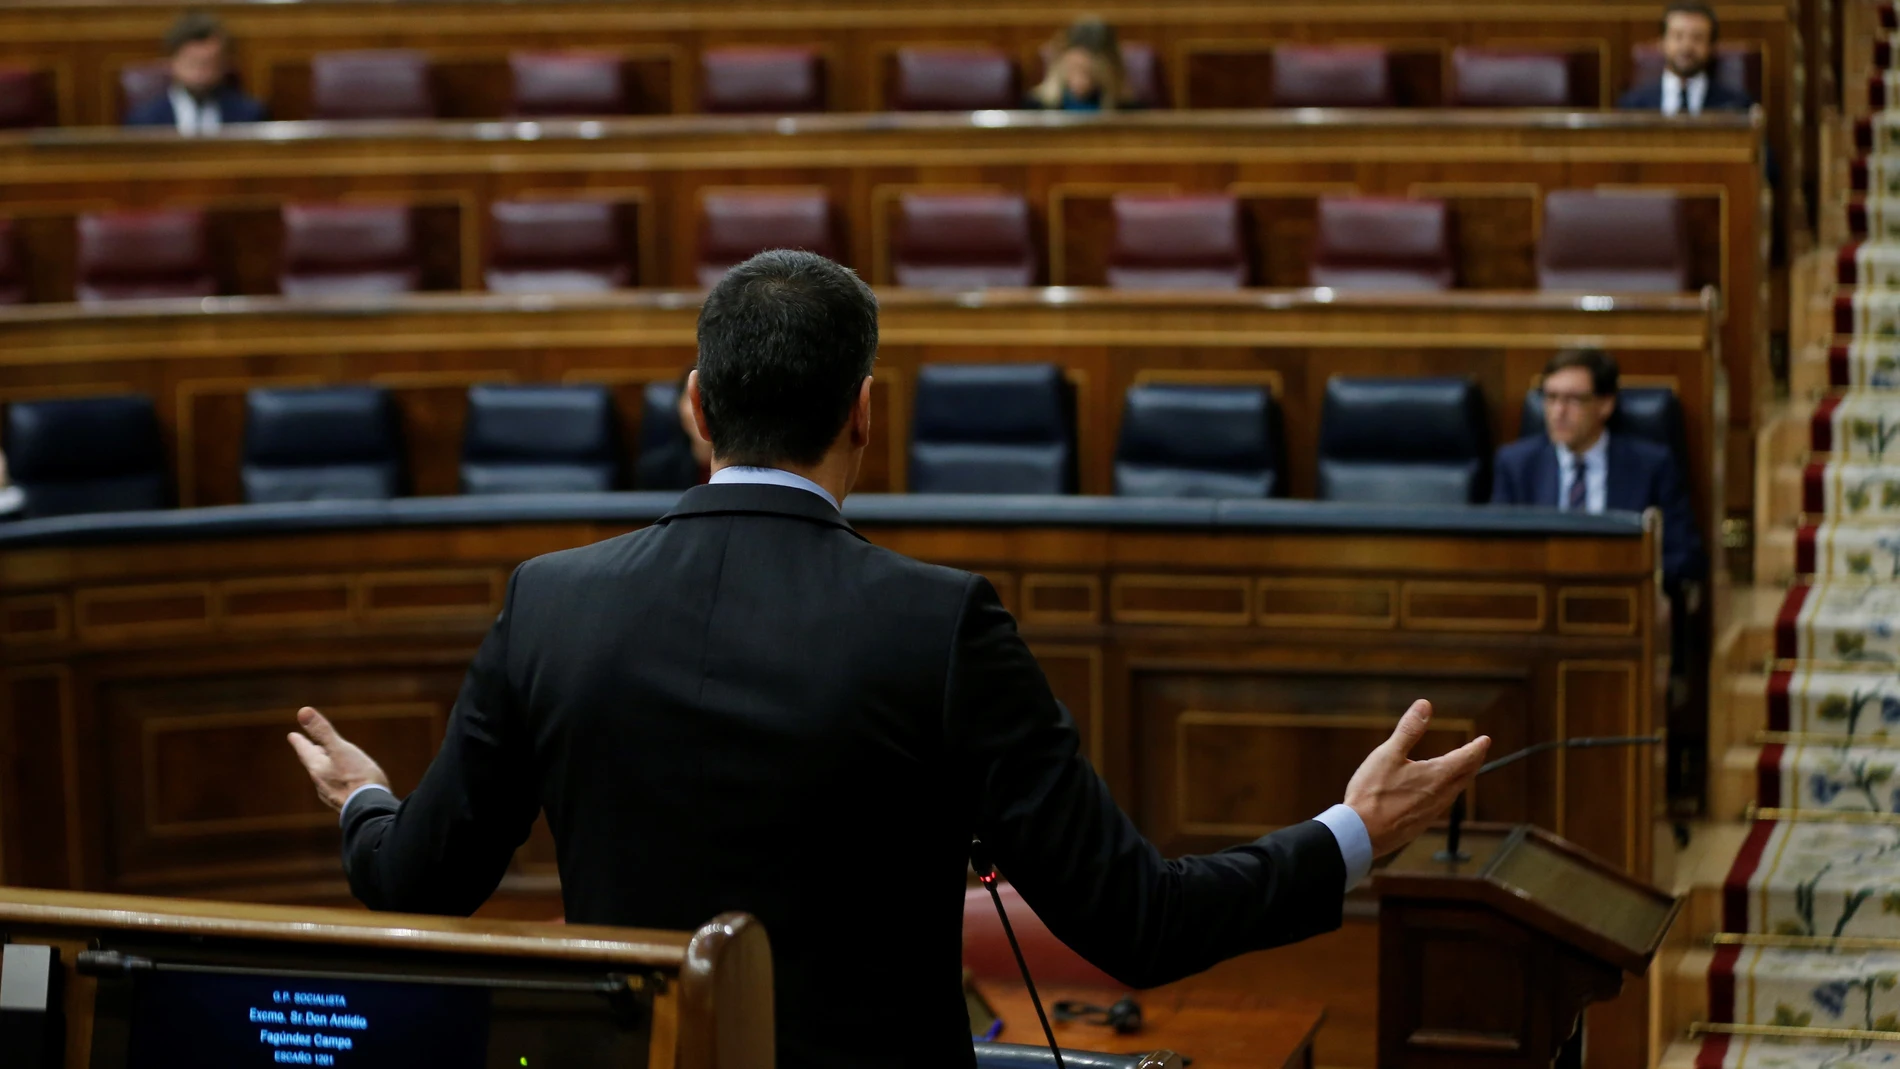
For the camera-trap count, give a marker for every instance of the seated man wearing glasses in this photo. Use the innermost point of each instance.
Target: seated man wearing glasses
(1581, 467)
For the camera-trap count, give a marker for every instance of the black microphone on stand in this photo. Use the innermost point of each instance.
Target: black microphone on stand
(1455, 821)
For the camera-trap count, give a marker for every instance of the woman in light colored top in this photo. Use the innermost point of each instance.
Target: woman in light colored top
(1085, 71)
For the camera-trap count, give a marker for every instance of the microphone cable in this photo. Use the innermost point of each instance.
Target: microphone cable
(986, 875)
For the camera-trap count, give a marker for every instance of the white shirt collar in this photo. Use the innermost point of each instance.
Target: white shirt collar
(194, 116)
(1691, 101)
(1594, 457)
(771, 477)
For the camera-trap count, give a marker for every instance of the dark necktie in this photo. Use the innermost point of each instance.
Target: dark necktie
(1579, 486)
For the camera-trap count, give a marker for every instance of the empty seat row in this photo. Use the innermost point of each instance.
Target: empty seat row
(1620, 242)
(976, 429)
(398, 84)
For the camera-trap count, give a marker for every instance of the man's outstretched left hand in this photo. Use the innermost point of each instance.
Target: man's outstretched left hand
(336, 765)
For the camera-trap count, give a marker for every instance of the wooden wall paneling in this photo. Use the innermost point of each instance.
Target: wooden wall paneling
(1494, 231)
(38, 827)
(176, 823)
(1601, 697)
(1234, 751)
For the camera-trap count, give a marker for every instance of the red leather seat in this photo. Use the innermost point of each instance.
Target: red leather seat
(568, 83)
(986, 950)
(142, 254)
(1382, 243)
(143, 81)
(12, 282)
(1142, 69)
(555, 246)
(1612, 243)
(371, 84)
(1487, 78)
(954, 79)
(1190, 242)
(23, 100)
(753, 80)
(1734, 65)
(337, 249)
(736, 225)
(1331, 76)
(963, 241)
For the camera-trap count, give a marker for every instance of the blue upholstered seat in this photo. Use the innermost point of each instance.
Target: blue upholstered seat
(1199, 441)
(89, 454)
(993, 429)
(540, 439)
(336, 443)
(1404, 441)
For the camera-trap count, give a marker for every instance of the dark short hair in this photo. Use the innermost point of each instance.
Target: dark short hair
(192, 27)
(786, 340)
(1694, 7)
(1600, 365)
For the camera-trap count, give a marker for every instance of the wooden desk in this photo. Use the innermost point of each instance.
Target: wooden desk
(1217, 1028)
(700, 1000)
(1492, 168)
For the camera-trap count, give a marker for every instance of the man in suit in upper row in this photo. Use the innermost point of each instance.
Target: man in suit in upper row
(202, 97)
(1687, 86)
(1579, 466)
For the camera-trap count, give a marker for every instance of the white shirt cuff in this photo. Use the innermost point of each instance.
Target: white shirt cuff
(386, 790)
(1355, 842)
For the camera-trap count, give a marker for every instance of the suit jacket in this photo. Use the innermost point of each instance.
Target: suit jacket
(1641, 474)
(667, 467)
(1649, 97)
(747, 706)
(234, 106)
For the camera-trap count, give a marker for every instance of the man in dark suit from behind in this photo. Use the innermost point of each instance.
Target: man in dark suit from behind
(1686, 85)
(201, 97)
(747, 706)
(1580, 466)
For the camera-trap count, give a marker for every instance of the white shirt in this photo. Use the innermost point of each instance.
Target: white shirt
(194, 116)
(1347, 826)
(12, 499)
(1596, 475)
(1674, 102)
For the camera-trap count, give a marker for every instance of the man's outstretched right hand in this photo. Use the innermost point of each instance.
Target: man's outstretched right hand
(1398, 797)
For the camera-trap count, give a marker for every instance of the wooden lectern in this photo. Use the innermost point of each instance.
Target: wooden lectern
(1490, 961)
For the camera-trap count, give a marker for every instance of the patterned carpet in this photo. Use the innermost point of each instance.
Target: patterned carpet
(1810, 930)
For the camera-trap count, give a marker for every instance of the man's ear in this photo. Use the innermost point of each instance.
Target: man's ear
(861, 415)
(699, 408)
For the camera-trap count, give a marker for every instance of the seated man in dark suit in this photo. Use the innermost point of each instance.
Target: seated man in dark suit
(1581, 467)
(201, 98)
(1686, 87)
(685, 461)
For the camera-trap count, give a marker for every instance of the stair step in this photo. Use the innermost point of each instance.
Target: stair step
(1748, 642)
(1858, 990)
(1815, 879)
(1849, 622)
(1759, 1052)
(1815, 776)
(1870, 315)
(1853, 364)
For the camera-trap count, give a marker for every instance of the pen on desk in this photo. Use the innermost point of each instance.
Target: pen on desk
(989, 1034)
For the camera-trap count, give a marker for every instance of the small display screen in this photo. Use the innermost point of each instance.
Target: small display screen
(235, 1021)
